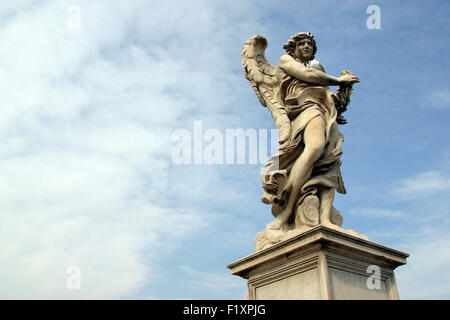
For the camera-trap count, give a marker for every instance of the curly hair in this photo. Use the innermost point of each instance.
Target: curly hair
(292, 42)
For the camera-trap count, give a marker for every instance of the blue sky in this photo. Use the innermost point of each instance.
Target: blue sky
(86, 174)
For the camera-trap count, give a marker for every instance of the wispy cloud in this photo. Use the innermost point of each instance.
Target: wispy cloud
(438, 99)
(378, 213)
(426, 274)
(422, 185)
(421, 229)
(222, 283)
(85, 171)
(86, 141)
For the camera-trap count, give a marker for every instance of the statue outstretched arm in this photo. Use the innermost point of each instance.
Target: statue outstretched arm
(311, 75)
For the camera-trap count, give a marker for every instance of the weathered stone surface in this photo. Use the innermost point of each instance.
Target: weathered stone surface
(320, 263)
(267, 238)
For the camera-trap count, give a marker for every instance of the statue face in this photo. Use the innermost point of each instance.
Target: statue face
(304, 49)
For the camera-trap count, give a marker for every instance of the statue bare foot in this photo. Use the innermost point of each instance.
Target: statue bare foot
(274, 225)
(330, 225)
(280, 220)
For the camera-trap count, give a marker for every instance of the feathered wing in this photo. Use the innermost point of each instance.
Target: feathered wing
(265, 82)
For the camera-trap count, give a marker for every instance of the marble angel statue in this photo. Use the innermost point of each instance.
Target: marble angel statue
(300, 181)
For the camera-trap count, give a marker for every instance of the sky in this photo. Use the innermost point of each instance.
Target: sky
(92, 93)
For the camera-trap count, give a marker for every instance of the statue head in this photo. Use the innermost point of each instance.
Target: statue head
(301, 46)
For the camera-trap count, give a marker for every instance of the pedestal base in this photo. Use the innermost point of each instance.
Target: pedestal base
(321, 263)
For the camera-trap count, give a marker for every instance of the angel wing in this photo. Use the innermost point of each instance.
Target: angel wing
(265, 82)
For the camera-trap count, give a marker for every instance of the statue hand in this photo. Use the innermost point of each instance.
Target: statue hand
(348, 79)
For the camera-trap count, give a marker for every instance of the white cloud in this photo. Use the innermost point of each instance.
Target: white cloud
(63, 209)
(378, 213)
(422, 185)
(85, 172)
(85, 128)
(222, 283)
(426, 274)
(422, 230)
(438, 99)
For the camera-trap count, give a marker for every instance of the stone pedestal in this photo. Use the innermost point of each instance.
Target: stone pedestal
(321, 263)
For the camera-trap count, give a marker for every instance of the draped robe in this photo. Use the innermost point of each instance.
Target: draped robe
(304, 102)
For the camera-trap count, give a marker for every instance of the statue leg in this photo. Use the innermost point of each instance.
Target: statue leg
(314, 139)
(326, 207)
(326, 202)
